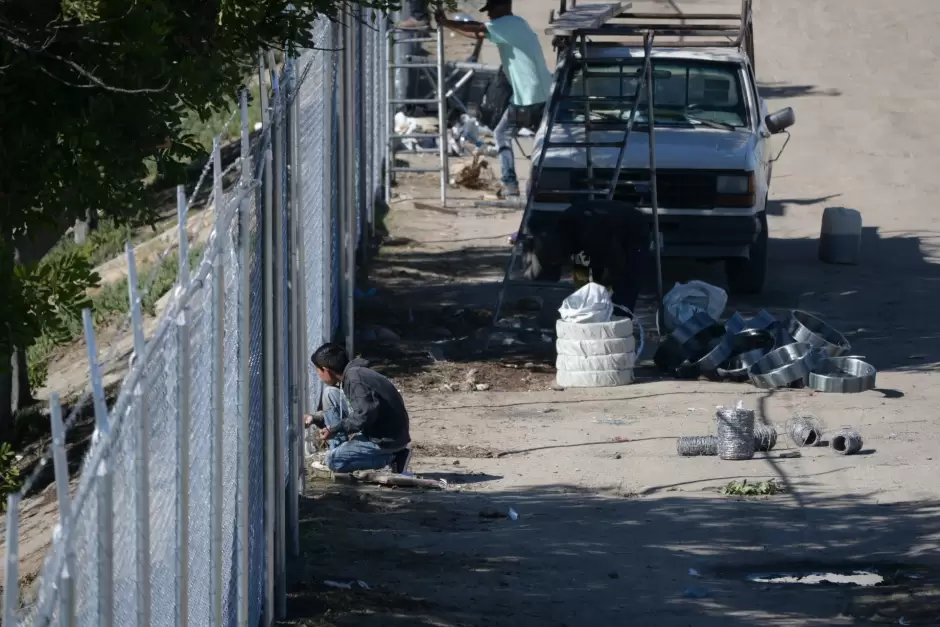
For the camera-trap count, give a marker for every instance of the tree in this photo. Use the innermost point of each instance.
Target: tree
(93, 90)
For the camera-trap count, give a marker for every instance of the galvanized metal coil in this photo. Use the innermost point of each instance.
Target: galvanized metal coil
(697, 445)
(805, 327)
(846, 441)
(805, 430)
(843, 375)
(747, 348)
(735, 433)
(784, 366)
(765, 437)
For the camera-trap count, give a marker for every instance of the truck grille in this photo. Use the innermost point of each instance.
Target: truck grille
(677, 189)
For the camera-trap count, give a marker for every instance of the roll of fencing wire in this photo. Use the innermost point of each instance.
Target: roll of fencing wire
(765, 437)
(805, 430)
(846, 441)
(735, 433)
(697, 445)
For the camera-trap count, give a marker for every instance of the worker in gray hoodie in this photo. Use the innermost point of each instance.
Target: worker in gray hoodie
(366, 425)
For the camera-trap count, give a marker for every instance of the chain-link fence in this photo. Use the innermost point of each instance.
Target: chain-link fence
(186, 509)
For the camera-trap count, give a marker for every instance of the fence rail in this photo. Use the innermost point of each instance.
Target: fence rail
(186, 508)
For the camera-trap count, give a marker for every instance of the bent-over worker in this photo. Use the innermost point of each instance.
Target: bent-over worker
(520, 52)
(368, 428)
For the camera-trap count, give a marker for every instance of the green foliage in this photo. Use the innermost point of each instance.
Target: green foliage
(110, 305)
(743, 488)
(10, 480)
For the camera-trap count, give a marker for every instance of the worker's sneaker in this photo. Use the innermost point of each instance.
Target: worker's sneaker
(509, 192)
(413, 23)
(401, 461)
(320, 466)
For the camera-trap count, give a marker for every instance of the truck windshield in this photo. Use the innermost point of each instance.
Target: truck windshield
(685, 93)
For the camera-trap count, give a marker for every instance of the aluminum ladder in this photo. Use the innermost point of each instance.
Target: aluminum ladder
(447, 80)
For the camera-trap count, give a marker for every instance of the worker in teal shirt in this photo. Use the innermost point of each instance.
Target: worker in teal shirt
(524, 64)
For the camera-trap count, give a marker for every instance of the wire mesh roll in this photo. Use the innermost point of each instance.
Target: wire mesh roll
(846, 441)
(805, 430)
(697, 445)
(735, 433)
(765, 437)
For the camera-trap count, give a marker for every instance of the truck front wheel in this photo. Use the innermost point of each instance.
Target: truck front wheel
(747, 276)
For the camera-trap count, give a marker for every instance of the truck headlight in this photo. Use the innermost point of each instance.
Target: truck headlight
(735, 190)
(734, 185)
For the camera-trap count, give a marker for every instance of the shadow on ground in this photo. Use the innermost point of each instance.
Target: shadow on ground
(574, 558)
(441, 304)
(774, 91)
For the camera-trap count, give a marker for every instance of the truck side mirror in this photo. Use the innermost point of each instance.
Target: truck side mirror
(781, 120)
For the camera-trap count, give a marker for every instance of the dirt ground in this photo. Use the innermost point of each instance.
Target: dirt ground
(571, 507)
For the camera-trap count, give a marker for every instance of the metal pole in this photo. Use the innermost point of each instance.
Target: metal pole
(142, 461)
(442, 114)
(61, 468)
(216, 484)
(361, 136)
(389, 113)
(297, 375)
(244, 370)
(282, 372)
(348, 199)
(11, 574)
(270, 461)
(331, 146)
(104, 480)
(183, 426)
(654, 196)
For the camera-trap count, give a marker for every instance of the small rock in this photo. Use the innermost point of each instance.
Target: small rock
(456, 462)
(618, 456)
(482, 387)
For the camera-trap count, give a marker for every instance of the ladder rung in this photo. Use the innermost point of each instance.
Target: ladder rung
(416, 136)
(416, 101)
(412, 66)
(419, 40)
(572, 192)
(402, 169)
(585, 144)
(660, 29)
(680, 16)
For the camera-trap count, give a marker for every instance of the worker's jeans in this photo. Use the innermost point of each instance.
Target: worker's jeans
(348, 454)
(514, 119)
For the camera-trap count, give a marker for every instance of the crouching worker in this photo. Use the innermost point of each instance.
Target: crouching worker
(366, 426)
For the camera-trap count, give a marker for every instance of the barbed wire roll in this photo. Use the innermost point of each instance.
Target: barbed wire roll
(846, 441)
(735, 433)
(805, 430)
(765, 437)
(697, 445)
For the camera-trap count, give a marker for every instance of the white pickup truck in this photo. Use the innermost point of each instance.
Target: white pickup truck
(713, 153)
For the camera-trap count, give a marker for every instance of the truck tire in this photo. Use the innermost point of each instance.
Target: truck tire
(747, 276)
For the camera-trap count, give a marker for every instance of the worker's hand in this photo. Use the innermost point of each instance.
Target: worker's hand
(325, 433)
(440, 16)
(316, 418)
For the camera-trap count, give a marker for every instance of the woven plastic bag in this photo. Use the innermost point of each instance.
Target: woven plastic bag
(591, 303)
(684, 300)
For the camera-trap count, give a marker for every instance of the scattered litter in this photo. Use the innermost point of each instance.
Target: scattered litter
(482, 387)
(696, 593)
(513, 515)
(346, 586)
(473, 175)
(619, 438)
(684, 300)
